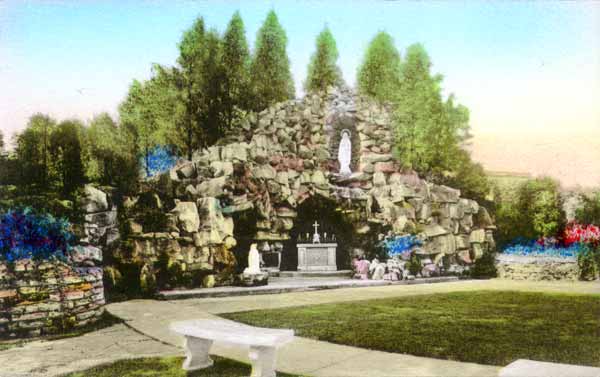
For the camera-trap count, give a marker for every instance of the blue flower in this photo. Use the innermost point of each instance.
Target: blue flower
(24, 234)
(400, 245)
(159, 160)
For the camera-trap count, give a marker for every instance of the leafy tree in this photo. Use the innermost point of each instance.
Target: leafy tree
(236, 69)
(322, 69)
(104, 144)
(589, 212)
(140, 117)
(1, 141)
(270, 70)
(536, 212)
(470, 178)
(32, 149)
(379, 73)
(428, 130)
(65, 149)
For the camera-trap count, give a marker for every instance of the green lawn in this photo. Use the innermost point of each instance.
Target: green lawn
(167, 367)
(487, 327)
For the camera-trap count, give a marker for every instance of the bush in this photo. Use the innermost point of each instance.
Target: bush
(589, 262)
(535, 212)
(25, 234)
(589, 213)
(485, 267)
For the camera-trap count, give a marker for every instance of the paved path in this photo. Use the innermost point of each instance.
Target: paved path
(53, 358)
(146, 333)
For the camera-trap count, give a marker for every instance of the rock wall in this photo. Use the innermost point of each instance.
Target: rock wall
(515, 267)
(100, 226)
(38, 298)
(45, 297)
(283, 156)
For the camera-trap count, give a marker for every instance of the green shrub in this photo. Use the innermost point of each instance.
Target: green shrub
(589, 262)
(485, 267)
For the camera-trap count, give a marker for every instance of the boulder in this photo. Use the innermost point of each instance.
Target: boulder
(187, 216)
(211, 187)
(379, 179)
(79, 254)
(434, 230)
(186, 170)
(444, 194)
(477, 236)
(221, 168)
(94, 200)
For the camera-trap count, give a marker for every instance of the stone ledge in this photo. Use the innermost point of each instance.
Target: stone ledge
(298, 286)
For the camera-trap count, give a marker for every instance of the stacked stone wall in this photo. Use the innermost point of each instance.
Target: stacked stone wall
(38, 298)
(536, 268)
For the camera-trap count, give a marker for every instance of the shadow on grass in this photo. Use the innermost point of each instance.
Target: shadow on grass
(106, 320)
(167, 367)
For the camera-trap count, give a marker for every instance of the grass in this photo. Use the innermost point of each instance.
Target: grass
(487, 327)
(167, 367)
(106, 320)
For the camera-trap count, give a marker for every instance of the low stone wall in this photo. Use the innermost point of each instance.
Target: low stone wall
(38, 298)
(516, 267)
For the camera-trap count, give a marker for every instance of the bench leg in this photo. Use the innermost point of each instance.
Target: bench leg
(263, 361)
(196, 350)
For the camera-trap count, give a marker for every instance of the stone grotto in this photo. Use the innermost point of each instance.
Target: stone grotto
(207, 211)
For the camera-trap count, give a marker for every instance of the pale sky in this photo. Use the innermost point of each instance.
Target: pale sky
(528, 71)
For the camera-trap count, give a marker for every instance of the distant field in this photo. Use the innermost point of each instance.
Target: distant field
(508, 182)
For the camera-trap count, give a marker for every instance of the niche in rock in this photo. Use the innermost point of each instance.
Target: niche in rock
(331, 221)
(335, 129)
(244, 231)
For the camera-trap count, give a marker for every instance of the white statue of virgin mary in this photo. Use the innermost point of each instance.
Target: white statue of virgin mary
(345, 153)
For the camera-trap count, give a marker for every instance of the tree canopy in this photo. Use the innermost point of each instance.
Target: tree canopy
(379, 73)
(33, 150)
(428, 130)
(322, 69)
(236, 69)
(270, 70)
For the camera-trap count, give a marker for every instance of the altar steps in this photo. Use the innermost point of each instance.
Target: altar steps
(313, 274)
(286, 285)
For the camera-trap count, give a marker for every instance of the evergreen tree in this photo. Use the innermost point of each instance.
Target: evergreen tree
(270, 70)
(379, 74)
(187, 81)
(322, 69)
(1, 141)
(213, 77)
(236, 65)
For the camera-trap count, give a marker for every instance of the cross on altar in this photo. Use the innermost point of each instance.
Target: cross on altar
(316, 226)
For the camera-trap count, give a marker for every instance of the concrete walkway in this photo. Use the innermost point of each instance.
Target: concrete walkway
(57, 357)
(146, 333)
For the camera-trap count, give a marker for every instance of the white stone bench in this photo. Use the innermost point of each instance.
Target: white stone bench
(263, 343)
(531, 368)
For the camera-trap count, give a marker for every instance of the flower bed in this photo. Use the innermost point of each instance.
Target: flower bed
(574, 255)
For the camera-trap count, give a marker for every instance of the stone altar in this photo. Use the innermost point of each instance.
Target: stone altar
(317, 257)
